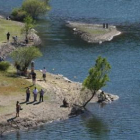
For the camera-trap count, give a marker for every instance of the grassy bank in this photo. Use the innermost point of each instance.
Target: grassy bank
(13, 27)
(12, 89)
(93, 30)
(11, 84)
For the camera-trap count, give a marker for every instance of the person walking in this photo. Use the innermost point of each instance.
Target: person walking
(41, 95)
(35, 92)
(27, 94)
(8, 36)
(17, 109)
(44, 74)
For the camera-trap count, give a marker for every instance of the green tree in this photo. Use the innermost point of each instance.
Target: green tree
(35, 8)
(18, 14)
(4, 65)
(29, 24)
(24, 56)
(98, 77)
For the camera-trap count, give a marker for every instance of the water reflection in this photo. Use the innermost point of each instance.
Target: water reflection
(18, 135)
(95, 125)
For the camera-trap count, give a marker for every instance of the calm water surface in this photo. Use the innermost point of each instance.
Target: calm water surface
(70, 56)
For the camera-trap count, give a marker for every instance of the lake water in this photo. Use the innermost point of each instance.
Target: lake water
(66, 54)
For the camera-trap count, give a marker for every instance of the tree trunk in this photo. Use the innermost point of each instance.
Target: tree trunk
(89, 99)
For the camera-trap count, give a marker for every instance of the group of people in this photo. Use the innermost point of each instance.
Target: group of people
(28, 93)
(35, 93)
(105, 25)
(33, 74)
(14, 38)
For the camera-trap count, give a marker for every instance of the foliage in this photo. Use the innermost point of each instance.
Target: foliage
(4, 65)
(24, 56)
(98, 76)
(18, 14)
(35, 8)
(29, 24)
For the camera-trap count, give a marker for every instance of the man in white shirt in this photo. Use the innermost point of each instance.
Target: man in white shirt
(44, 74)
(35, 92)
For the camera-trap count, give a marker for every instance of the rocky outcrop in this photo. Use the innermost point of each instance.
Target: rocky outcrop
(93, 33)
(5, 49)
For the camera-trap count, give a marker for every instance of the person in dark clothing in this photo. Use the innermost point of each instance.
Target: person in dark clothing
(18, 69)
(17, 109)
(26, 40)
(8, 36)
(106, 25)
(0, 59)
(65, 103)
(41, 95)
(27, 94)
(34, 78)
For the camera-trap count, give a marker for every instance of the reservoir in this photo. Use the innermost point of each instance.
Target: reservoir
(68, 55)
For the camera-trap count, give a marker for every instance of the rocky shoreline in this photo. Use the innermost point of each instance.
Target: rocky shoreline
(93, 33)
(57, 88)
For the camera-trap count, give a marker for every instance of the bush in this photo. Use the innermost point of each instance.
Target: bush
(18, 14)
(4, 65)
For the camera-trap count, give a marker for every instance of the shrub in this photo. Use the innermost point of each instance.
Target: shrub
(18, 14)
(4, 65)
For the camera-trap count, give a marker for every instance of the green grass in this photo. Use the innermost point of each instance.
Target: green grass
(11, 84)
(93, 31)
(14, 28)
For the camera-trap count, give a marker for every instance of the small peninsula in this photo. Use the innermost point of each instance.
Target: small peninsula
(57, 87)
(93, 33)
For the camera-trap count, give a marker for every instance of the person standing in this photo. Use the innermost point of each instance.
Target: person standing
(17, 109)
(8, 36)
(41, 95)
(32, 66)
(44, 74)
(27, 94)
(34, 78)
(35, 91)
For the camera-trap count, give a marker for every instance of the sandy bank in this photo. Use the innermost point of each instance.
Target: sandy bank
(56, 88)
(93, 33)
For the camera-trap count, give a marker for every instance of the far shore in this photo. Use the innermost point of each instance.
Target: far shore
(93, 33)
